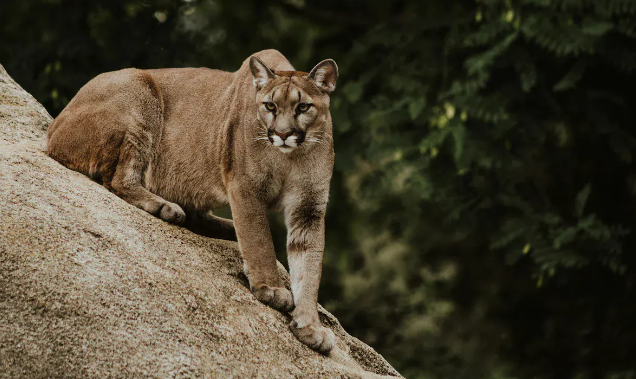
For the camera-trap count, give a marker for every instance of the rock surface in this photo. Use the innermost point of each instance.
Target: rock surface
(92, 287)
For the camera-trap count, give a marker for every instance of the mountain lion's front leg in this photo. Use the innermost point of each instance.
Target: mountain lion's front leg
(259, 258)
(305, 219)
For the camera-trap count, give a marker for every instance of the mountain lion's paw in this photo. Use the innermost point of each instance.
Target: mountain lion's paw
(279, 298)
(315, 336)
(172, 213)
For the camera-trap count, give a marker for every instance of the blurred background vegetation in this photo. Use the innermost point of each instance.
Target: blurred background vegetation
(482, 208)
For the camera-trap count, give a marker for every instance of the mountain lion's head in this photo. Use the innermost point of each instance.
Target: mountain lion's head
(293, 106)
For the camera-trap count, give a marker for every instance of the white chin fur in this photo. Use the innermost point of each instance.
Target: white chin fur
(286, 149)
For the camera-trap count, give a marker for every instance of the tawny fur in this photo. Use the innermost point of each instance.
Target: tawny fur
(186, 141)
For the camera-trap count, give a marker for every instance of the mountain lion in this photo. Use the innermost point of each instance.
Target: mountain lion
(188, 140)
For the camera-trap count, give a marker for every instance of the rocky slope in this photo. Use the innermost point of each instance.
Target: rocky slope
(92, 287)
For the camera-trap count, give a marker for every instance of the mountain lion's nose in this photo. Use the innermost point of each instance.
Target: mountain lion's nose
(283, 136)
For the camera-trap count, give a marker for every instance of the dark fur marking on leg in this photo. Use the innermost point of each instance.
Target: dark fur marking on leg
(296, 246)
(306, 215)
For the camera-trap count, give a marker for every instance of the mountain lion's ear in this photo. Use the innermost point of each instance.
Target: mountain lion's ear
(262, 74)
(324, 75)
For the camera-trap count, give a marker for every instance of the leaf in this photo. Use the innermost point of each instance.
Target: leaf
(565, 237)
(483, 61)
(552, 219)
(528, 79)
(596, 28)
(526, 248)
(416, 107)
(570, 79)
(581, 199)
(459, 134)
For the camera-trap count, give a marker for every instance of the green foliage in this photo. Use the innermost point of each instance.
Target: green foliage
(480, 222)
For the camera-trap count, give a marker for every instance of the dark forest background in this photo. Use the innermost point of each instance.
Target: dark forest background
(481, 221)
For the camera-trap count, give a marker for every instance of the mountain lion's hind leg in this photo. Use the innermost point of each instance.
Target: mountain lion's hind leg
(134, 156)
(209, 225)
(143, 131)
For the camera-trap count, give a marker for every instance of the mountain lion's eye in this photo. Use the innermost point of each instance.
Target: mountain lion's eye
(304, 107)
(270, 106)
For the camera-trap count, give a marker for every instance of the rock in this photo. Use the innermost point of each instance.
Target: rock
(92, 287)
